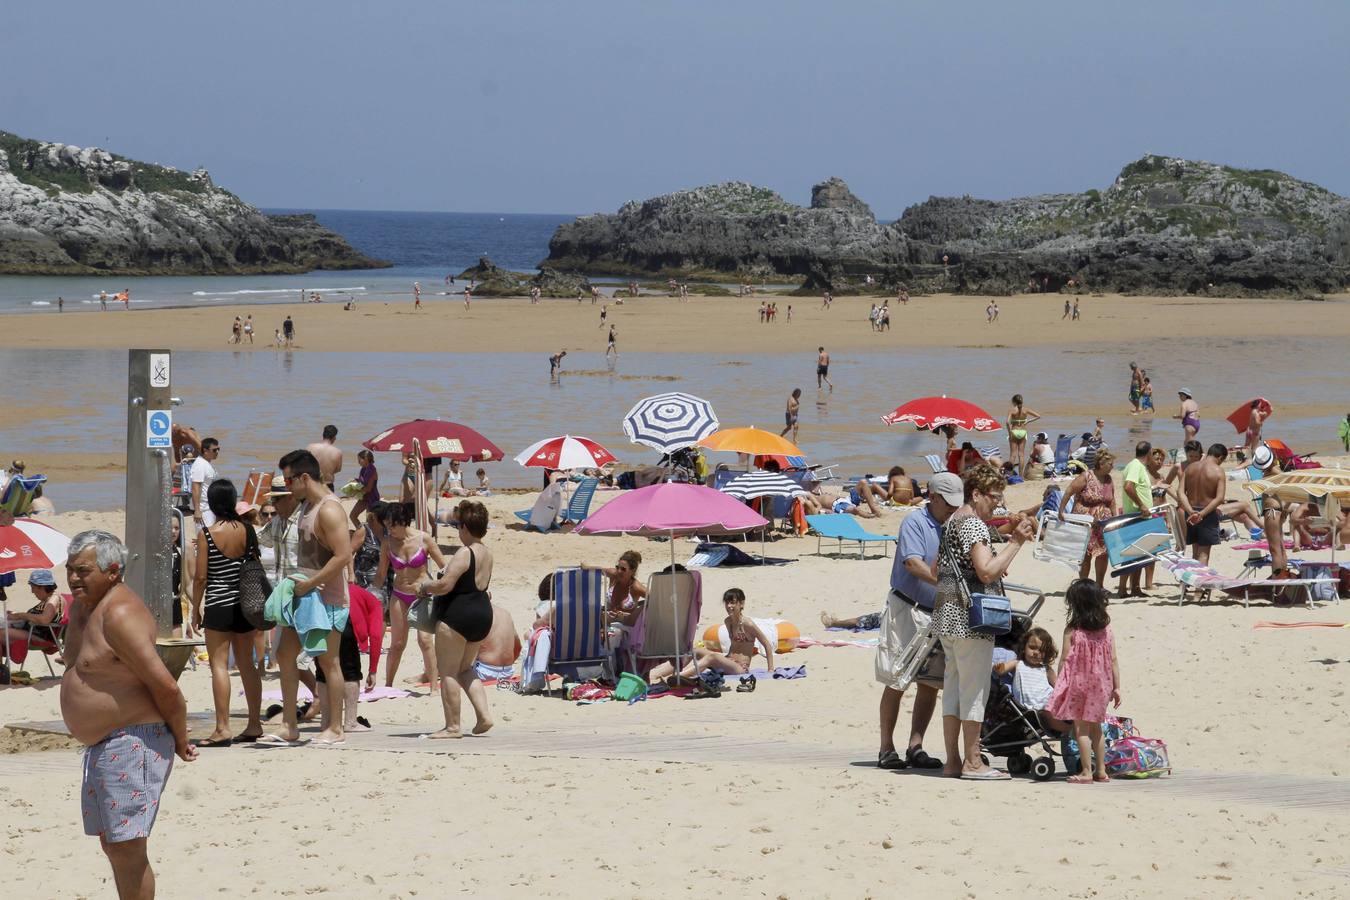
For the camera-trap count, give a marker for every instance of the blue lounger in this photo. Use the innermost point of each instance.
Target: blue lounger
(578, 508)
(844, 527)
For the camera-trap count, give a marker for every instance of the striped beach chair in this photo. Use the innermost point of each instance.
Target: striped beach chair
(577, 636)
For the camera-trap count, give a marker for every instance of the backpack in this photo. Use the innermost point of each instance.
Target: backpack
(1137, 757)
(254, 586)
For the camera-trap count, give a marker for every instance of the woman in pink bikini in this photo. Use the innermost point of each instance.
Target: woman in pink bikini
(407, 551)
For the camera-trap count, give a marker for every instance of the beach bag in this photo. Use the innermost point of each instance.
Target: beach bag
(1117, 728)
(990, 614)
(420, 615)
(254, 586)
(1137, 757)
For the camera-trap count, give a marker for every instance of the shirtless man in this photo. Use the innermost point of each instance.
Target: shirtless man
(1255, 420)
(323, 553)
(119, 700)
(329, 456)
(1189, 414)
(499, 651)
(1203, 489)
(794, 407)
(823, 368)
(555, 364)
(184, 436)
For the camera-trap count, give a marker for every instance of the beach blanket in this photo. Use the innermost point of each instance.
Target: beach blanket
(812, 642)
(379, 692)
(708, 555)
(1288, 545)
(781, 673)
(854, 630)
(1302, 625)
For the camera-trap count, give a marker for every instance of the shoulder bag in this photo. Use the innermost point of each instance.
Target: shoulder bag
(990, 614)
(254, 586)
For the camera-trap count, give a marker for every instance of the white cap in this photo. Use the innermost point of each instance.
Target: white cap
(948, 487)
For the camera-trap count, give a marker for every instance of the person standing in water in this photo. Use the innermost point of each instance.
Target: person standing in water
(611, 347)
(823, 368)
(1189, 414)
(794, 406)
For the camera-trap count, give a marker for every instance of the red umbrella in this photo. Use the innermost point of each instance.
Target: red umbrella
(566, 452)
(932, 412)
(1242, 416)
(30, 544)
(448, 440)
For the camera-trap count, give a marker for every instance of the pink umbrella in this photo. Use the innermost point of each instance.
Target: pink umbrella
(669, 509)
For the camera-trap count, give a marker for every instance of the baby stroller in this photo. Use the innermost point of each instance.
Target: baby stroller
(1009, 730)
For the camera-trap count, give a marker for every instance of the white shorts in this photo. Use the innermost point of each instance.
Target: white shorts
(901, 623)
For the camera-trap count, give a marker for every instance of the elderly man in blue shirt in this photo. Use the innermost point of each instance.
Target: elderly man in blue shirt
(909, 606)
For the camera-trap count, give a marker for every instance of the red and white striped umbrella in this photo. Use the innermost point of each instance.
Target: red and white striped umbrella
(30, 544)
(566, 452)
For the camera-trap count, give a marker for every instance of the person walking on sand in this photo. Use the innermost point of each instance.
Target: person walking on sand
(1068, 310)
(823, 369)
(288, 332)
(248, 327)
(462, 610)
(989, 313)
(1089, 677)
(417, 295)
(103, 300)
(323, 553)
(119, 700)
(611, 346)
(468, 294)
(789, 314)
(604, 313)
(236, 330)
(1074, 318)
(794, 405)
(60, 304)
(1189, 414)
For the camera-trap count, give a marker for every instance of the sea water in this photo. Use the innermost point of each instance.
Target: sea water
(263, 403)
(424, 247)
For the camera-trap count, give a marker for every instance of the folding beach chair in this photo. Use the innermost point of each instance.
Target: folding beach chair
(1194, 576)
(665, 628)
(18, 494)
(845, 527)
(1063, 453)
(1062, 542)
(936, 463)
(49, 639)
(577, 634)
(1133, 541)
(579, 507)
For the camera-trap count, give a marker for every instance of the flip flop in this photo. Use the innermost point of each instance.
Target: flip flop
(326, 743)
(223, 742)
(1079, 779)
(276, 740)
(987, 775)
(245, 739)
(889, 759)
(919, 759)
(272, 712)
(362, 720)
(1101, 779)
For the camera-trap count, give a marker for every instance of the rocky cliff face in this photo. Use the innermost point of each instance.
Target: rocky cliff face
(72, 211)
(1165, 225)
(726, 230)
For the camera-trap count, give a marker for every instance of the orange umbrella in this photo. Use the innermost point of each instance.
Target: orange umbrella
(750, 440)
(1242, 416)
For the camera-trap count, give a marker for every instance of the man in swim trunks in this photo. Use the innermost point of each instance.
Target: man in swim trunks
(1136, 388)
(119, 700)
(499, 651)
(1189, 414)
(288, 331)
(1203, 486)
(329, 456)
(794, 407)
(823, 368)
(555, 364)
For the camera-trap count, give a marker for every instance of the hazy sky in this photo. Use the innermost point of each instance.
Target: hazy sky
(578, 106)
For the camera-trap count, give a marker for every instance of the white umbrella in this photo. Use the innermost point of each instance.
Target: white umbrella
(565, 452)
(762, 483)
(668, 422)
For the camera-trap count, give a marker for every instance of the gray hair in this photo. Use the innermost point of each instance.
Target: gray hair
(108, 550)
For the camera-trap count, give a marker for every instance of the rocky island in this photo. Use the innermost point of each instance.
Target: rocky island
(68, 210)
(1165, 225)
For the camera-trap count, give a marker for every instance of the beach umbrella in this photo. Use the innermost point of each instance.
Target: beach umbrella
(1301, 484)
(752, 441)
(1242, 416)
(672, 509)
(669, 422)
(29, 544)
(422, 519)
(749, 485)
(566, 452)
(931, 412)
(447, 440)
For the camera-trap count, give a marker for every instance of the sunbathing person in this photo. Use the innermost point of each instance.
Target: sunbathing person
(626, 596)
(901, 489)
(742, 634)
(865, 622)
(499, 651)
(863, 500)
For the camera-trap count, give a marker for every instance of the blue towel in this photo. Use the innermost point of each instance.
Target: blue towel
(308, 616)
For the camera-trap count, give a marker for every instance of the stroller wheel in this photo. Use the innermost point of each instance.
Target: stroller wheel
(1019, 763)
(1043, 768)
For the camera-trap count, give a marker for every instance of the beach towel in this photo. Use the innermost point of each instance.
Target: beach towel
(534, 661)
(307, 615)
(545, 511)
(812, 642)
(1301, 625)
(782, 673)
(708, 555)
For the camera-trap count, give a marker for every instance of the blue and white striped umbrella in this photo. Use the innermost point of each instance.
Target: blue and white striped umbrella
(762, 483)
(667, 422)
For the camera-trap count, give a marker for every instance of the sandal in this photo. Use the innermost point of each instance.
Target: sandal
(889, 759)
(919, 759)
(1080, 779)
(747, 685)
(1101, 779)
(204, 743)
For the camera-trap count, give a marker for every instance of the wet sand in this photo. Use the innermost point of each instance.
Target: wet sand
(715, 324)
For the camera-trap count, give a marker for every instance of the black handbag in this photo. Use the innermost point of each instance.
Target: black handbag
(254, 585)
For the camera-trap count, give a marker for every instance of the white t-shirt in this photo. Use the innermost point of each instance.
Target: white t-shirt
(1031, 687)
(204, 473)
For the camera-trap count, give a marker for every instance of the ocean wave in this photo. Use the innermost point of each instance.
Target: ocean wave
(274, 291)
(39, 303)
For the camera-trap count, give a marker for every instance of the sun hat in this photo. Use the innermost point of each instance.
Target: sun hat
(278, 486)
(1186, 392)
(948, 487)
(1263, 457)
(243, 508)
(42, 578)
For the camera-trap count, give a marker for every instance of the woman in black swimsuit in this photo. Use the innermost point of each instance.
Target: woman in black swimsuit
(463, 613)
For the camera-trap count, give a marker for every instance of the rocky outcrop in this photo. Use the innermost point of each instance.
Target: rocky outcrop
(1164, 226)
(491, 280)
(730, 230)
(68, 210)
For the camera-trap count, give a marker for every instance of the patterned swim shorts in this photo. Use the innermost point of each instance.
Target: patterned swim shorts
(124, 775)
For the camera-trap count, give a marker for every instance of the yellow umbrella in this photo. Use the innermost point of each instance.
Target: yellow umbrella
(1301, 484)
(751, 441)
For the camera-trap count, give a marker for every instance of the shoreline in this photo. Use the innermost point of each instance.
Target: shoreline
(700, 324)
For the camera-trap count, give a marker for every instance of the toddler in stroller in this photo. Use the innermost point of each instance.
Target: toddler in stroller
(1015, 718)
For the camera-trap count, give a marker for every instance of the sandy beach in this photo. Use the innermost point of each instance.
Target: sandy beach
(770, 794)
(704, 324)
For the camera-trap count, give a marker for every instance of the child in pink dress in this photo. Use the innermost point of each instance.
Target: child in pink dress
(1089, 675)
